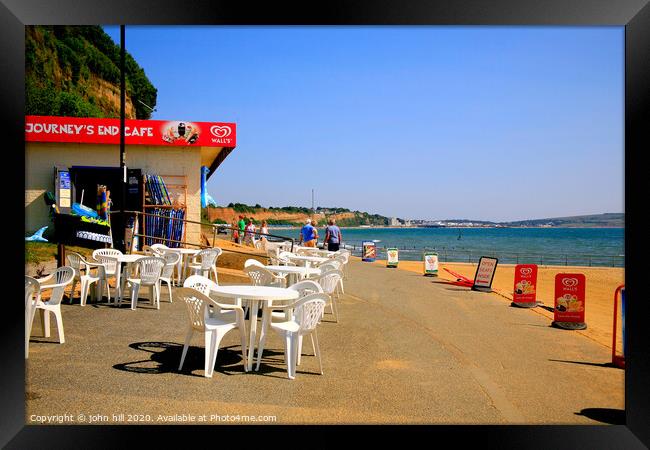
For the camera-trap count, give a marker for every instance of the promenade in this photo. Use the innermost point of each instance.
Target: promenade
(407, 349)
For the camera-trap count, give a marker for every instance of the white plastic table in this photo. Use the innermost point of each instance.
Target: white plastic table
(127, 260)
(255, 295)
(294, 271)
(307, 259)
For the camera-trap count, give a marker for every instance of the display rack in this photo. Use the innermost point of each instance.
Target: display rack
(180, 186)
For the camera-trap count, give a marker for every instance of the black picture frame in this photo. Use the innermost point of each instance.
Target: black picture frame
(633, 14)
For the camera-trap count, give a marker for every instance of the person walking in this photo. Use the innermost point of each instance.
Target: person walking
(308, 235)
(242, 228)
(333, 236)
(249, 238)
(235, 231)
(264, 230)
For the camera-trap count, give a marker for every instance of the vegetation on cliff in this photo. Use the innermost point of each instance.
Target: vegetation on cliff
(75, 71)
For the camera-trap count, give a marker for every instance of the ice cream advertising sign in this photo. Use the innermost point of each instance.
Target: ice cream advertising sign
(525, 284)
(369, 251)
(485, 274)
(137, 132)
(392, 257)
(431, 263)
(569, 297)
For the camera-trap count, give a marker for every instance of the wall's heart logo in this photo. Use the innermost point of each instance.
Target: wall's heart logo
(526, 271)
(220, 131)
(570, 282)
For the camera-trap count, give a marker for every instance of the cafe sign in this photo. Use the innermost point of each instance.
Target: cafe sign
(485, 271)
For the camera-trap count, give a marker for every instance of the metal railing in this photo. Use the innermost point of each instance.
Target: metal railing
(216, 230)
(473, 256)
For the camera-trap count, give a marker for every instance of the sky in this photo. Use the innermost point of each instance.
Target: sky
(421, 122)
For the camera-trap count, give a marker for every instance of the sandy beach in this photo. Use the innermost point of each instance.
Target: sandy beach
(601, 284)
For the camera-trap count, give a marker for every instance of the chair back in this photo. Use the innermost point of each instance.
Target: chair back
(106, 257)
(260, 276)
(200, 283)
(75, 261)
(197, 305)
(150, 268)
(283, 258)
(253, 262)
(171, 259)
(32, 286)
(330, 265)
(329, 280)
(306, 287)
(61, 277)
(308, 311)
(159, 248)
(208, 257)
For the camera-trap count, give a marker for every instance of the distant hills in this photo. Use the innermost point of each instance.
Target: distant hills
(606, 220)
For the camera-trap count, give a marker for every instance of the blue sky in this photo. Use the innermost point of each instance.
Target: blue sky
(490, 123)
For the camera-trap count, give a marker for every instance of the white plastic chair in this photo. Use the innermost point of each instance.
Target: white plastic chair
(335, 264)
(214, 326)
(149, 270)
(306, 314)
(208, 262)
(167, 274)
(109, 268)
(329, 282)
(57, 281)
(32, 288)
(261, 276)
(252, 262)
(284, 260)
(83, 275)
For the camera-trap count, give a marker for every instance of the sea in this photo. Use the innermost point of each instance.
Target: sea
(544, 246)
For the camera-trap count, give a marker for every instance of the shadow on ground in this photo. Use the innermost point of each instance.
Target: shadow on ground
(607, 364)
(605, 415)
(166, 356)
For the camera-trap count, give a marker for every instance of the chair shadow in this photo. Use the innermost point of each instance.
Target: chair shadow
(605, 415)
(273, 365)
(167, 356)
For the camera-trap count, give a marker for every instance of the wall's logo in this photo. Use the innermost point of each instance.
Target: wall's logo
(220, 131)
(525, 270)
(570, 282)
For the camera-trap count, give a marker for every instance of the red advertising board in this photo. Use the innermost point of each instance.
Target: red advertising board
(525, 289)
(569, 297)
(137, 132)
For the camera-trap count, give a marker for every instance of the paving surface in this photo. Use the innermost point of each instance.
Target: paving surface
(407, 349)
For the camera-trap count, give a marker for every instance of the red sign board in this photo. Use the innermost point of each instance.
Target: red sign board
(525, 283)
(569, 297)
(137, 132)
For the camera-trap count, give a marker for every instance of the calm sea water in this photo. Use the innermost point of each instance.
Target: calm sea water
(552, 246)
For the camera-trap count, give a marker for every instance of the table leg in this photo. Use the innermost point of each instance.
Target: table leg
(253, 308)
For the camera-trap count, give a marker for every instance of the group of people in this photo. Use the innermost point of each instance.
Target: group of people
(244, 231)
(332, 240)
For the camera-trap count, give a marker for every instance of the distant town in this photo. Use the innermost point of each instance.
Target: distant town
(607, 220)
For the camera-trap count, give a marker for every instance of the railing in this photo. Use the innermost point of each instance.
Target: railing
(472, 256)
(216, 228)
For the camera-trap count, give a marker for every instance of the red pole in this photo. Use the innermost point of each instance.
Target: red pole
(618, 361)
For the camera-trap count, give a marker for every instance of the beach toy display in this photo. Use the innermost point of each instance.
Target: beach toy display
(169, 227)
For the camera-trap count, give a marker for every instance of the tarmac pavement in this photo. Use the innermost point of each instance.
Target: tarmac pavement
(407, 349)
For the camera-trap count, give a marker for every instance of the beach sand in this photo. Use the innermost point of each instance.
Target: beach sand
(601, 285)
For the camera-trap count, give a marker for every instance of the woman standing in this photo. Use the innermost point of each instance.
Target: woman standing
(263, 232)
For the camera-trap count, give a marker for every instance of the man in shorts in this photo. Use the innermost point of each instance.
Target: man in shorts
(308, 235)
